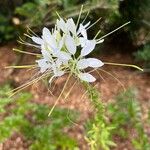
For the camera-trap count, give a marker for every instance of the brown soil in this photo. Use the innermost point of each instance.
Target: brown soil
(106, 84)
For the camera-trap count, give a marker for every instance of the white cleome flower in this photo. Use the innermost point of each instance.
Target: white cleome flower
(61, 46)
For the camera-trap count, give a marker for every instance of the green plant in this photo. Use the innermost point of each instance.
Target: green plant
(126, 115)
(99, 132)
(32, 121)
(144, 54)
(45, 11)
(6, 29)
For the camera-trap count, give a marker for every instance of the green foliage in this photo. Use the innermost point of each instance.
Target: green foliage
(126, 110)
(37, 13)
(99, 132)
(32, 121)
(6, 28)
(37, 8)
(126, 115)
(138, 12)
(45, 11)
(120, 118)
(99, 135)
(141, 142)
(144, 54)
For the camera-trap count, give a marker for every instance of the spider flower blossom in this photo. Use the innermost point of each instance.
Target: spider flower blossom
(64, 49)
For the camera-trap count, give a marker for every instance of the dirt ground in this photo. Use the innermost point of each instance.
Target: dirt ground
(107, 84)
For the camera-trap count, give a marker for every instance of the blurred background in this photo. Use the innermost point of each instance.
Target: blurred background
(24, 123)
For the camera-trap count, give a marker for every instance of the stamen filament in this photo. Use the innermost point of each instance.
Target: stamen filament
(20, 67)
(113, 31)
(59, 95)
(125, 65)
(79, 16)
(24, 52)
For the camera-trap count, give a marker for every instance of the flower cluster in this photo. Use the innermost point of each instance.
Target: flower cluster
(64, 49)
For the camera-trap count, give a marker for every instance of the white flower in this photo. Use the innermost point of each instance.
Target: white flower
(60, 47)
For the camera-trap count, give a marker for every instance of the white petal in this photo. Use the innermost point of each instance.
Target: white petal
(88, 48)
(82, 41)
(71, 26)
(61, 25)
(37, 40)
(46, 54)
(82, 64)
(63, 55)
(95, 63)
(86, 77)
(82, 30)
(48, 38)
(43, 65)
(46, 34)
(101, 41)
(70, 44)
(60, 45)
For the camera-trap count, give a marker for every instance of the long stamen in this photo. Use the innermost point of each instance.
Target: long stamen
(86, 17)
(28, 44)
(114, 78)
(113, 31)
(28, 84)
(58, 15)
(79, 16)
(97, 34)
(70, 90)
(100, 76)
(20, 67)
(124, 65)
(21, 41)
(24, 52)
(94, 23)
(29, 30)
(59, 95)
(27, 35)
